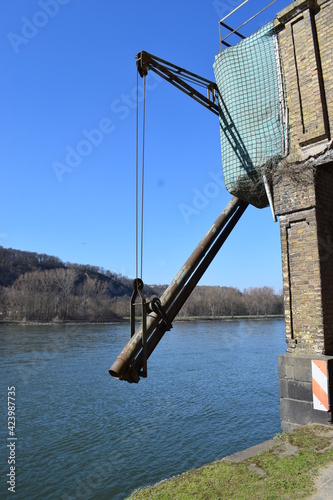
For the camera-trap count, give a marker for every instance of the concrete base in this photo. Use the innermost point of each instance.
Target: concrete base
(296, 399)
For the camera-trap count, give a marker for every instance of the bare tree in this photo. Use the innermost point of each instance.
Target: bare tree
(66, 281)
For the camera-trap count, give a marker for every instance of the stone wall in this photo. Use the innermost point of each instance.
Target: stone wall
(296, 398)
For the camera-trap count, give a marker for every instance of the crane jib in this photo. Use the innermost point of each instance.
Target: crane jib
(129, 364)
(184, 80)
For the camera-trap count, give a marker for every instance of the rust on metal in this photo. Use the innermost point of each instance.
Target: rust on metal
(128, 364)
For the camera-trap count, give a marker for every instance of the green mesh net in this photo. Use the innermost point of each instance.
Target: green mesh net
(250, 118)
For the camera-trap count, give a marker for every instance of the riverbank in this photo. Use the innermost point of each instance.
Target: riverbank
(230, 318)
(296, 465)
(126, 320)
(60, 323)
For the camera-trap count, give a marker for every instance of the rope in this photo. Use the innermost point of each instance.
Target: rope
(137, 179)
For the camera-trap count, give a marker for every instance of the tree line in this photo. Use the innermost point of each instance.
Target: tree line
(217, 302)
(35, 288)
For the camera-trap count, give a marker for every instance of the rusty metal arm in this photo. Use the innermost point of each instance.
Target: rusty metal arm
(177, 76)
(128, 364)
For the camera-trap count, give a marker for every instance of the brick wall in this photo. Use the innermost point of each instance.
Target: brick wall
(305, 31)
(324, 24)
(302, 283)
(305, 210)
(304, 185)
(324, 213)
(303, 199)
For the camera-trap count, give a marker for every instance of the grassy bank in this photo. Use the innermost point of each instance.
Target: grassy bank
(286, 470)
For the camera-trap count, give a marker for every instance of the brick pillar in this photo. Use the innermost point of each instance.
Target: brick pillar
(324, 212)
(303, 200)
(305, 210)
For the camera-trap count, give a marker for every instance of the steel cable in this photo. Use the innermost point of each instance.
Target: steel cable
(137, 180)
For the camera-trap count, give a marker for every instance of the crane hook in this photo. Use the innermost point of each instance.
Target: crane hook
(137, 290)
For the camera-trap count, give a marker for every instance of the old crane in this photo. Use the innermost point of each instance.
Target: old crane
(157, 315)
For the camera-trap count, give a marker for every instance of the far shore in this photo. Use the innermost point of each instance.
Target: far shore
(126, 320)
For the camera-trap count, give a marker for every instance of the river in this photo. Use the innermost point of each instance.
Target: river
(212, 389)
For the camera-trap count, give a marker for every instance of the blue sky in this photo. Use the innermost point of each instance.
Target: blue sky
(68, 127)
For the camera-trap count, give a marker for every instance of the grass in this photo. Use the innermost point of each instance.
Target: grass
(285, 471)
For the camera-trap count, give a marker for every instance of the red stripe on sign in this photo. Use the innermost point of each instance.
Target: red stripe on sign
(322, 365)
(320, 393)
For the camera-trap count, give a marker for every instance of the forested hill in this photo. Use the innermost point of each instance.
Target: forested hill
(15, 263)
(40, 287)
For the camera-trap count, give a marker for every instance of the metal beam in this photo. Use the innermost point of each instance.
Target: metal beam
(179, 77)
(128, 364)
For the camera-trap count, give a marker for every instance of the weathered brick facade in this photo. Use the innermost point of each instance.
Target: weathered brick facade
(306, 226)
(304, 186)
(303, 199)
(324, 24)
(305, 33)
(324, 212)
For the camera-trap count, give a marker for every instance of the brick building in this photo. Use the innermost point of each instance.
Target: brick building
(303, 200)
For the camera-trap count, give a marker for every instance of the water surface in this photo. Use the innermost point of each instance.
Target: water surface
(212, 390)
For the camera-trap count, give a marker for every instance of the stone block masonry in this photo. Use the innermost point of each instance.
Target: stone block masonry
(296, 398)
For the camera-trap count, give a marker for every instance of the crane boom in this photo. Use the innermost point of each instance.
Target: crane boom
(179, 77)
(128, 365)
(157, 316)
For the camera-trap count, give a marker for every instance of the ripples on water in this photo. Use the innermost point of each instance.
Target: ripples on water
(212, 390)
